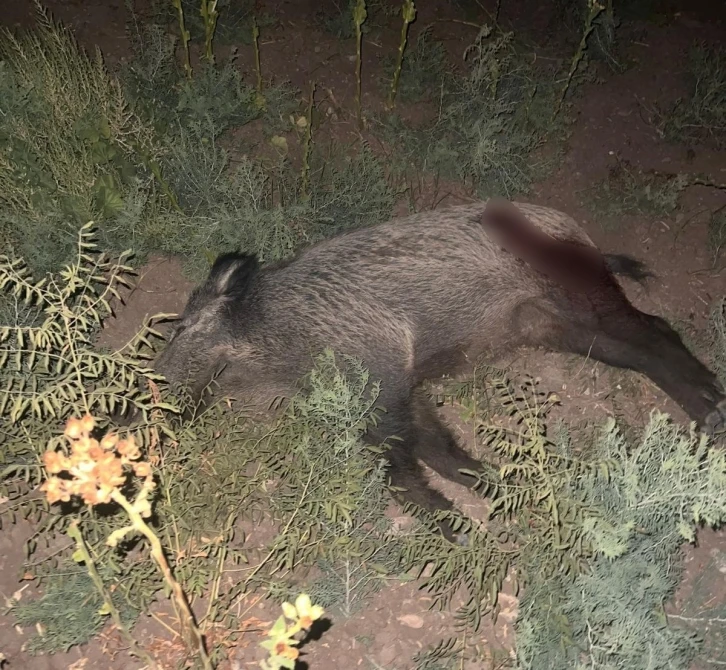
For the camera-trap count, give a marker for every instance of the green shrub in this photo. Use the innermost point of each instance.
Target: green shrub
(630, 190)
(69, 144)
(701, 115)
(490, 123)
(662, 488)
(160, 92)
(258, 206)
(67, 612)
(592, 524)
(425, 67)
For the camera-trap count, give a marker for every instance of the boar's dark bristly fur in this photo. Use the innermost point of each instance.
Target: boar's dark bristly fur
(422, 296)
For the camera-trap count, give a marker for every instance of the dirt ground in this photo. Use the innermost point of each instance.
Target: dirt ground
(611, 122)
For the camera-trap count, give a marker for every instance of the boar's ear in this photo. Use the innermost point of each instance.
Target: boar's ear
(231, 274)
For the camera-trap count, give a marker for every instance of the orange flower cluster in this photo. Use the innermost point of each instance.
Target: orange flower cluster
(96, 468)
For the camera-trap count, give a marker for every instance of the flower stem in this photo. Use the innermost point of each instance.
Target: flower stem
(75, 533)
(190, 631)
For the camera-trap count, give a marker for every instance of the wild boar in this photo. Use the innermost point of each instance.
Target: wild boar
(423, 296)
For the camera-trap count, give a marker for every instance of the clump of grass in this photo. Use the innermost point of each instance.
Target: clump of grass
(70, 147)
(425, 67)
(60, 627)
(490, 122)
(628, 190)
(158, 89)
(259, 205)
(701, 115)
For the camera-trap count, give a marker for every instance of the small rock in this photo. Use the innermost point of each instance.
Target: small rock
(411, 620)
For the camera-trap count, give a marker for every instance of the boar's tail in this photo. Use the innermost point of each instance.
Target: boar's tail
(574, 265)
(627, 266)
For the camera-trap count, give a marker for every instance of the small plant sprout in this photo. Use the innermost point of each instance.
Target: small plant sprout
(408, 12)
(359, 18)
(208, 10)
(594, 9)
(307, 146)
(96, 471)
(259, 96)
(282, 642)
(185, 36)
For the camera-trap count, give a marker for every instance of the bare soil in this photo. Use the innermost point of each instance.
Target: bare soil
(611, 121)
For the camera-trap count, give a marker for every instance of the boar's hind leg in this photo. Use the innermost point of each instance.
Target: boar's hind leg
(637, 341)
(396, 427)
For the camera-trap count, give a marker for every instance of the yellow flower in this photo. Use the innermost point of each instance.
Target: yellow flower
(289, 611)
(307, 611)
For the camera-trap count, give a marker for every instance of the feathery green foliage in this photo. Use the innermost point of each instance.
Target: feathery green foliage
(425, 67)
(69, 144)
(593, 528)
(332, 490)
(662, 488)
(67, 612)
(490, 122)
(257, 206)
(216, 95)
